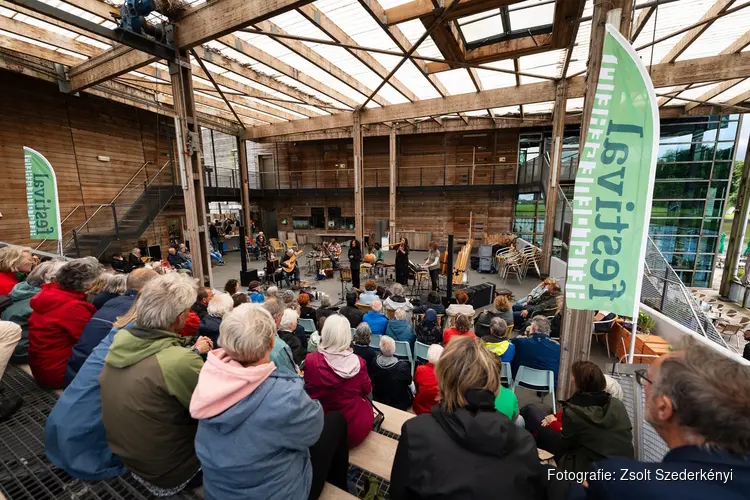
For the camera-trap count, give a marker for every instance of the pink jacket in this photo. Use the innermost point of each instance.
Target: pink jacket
(346, 395)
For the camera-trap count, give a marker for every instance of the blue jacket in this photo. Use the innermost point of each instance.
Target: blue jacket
(74, 437)
(257, 297)
(209, 326)
(281, 355)
(368, 297)
(259, 448)
(401, 330)
(377, 321)
(658, 487)
(537, 351)
(95, 330)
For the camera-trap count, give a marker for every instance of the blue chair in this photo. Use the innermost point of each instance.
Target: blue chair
(307, 324)
(506, 376)
(420, 351)
(375, 341)
(403, 350)
(536, 380)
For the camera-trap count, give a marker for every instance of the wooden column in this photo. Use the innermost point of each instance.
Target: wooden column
(392, 186)
(550, 198)
(575, 335)
(359, 189)
(191, 167)
(734, 246)
(244, 186)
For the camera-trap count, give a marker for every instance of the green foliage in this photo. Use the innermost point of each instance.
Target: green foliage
(735, 188)
(645, 322)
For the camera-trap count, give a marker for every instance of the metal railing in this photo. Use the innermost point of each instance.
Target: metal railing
(563, 223)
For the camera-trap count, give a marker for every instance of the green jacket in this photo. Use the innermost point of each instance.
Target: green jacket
(595, 426)
(18, 312)
(146, 385)
(547, 302)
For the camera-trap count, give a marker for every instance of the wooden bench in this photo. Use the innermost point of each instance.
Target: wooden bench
(394, 418)
(330, 492)
(375, 455)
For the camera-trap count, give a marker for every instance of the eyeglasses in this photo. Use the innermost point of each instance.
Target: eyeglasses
(641, 377)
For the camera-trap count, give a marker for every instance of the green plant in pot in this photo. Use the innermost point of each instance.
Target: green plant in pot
(645, 323)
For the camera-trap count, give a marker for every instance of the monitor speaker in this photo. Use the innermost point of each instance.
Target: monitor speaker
(247, 276)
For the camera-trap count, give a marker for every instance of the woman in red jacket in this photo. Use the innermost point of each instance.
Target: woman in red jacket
(13, 260)
(462, 329)
(338, 378)
(428, 393)
(58, 314)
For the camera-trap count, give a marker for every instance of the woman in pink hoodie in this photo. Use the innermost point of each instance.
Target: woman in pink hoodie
(338, 378)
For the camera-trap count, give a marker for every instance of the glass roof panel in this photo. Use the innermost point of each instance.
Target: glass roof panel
(738, 89)
(533, 16)
(467, 20)
(411, 76)
(484, 28)
(6, 12)
(507, 110)
(719, 35)
(457, 81)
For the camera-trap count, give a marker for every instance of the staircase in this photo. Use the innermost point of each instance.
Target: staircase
(126, 217)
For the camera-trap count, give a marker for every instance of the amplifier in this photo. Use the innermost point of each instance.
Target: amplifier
(247, 276)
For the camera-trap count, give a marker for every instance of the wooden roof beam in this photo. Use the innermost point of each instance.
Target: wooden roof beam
(640, 21)
(54, 22)
(739, 99)
(706, 69)
(315, 16)
(200, 25)
(321, 62)
(688, 38)
(565, 23)
(420, 8)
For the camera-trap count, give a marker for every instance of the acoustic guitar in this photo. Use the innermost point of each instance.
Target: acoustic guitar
(291, 263)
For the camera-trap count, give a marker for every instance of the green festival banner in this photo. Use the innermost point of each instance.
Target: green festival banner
(41, 197)
(614, 186)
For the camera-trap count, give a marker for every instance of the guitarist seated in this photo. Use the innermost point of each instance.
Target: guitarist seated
(289, 265)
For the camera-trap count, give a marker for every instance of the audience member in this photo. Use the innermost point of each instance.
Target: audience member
(239, 299)
(272, 291)
(182, 251)
(146, 385)
(534, 295)
(462, 328)
(338, 378)
(115, 286)
(461, 307)
(19, 310)
(259, 434)
(314, 341)
(428, 332)
(287, 327)
(400, 329)
(59, 314)
(281, 353)
(397, 300)
(745, 353)
(350, 310)
(591, 426)
(376, 319)
(506, 403)
(370, 294)
(97, 286)
(221, 304)
(200, 306)
(10, 334)
(178, 261)
(697, 401)
(101, 323)
(232, 286)
(253, 290)
(426, 382)
(391, 377)
(547, 305)
(325, 309)
(119, 265)
(287, 297)
(501, 309)
(305, 311)
(497, 341)
(361, 346)
(15, 262)
(433, 302)
(475, 451)
(537, 350)
(134, 259)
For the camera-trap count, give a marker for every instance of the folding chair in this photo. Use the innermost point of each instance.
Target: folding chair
(609, 323)
(307, 324)
(354, 331)
(365, 308)
(536, 380)
(375, 341)
(506, 375)
(403, 349)
(420, 351)
(291, 245)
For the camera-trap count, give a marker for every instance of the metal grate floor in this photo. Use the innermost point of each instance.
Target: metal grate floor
(26, 474)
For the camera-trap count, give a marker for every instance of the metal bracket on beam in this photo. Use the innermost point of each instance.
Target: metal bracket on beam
(63, 80)
(194, 142)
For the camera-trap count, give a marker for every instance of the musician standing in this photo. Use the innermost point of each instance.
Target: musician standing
(402, 262)
(355, 259)
(291, 256)
(432, 264)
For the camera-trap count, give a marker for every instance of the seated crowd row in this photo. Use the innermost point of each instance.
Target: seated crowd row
(235, 412)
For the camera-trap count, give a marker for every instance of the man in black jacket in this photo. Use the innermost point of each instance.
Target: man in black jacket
(205, 294)
(391, 377)
(350, 311)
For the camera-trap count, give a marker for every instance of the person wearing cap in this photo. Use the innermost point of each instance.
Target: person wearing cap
(428, 331)
(253, 290)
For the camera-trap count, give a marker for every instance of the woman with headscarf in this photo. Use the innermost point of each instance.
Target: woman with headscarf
(338, 378)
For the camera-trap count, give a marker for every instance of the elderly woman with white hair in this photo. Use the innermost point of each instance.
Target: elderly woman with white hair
(391, 377)
(134, 259)
(326, 307)
(115, 286)
(59, 314)
(397, 300)
(287, 332)
(428, 393)
(338, 378)
(259, 434)
(400, 329)
(221, 304)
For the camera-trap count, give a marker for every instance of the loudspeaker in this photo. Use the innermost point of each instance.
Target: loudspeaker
(481, 295)
(247, 276)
